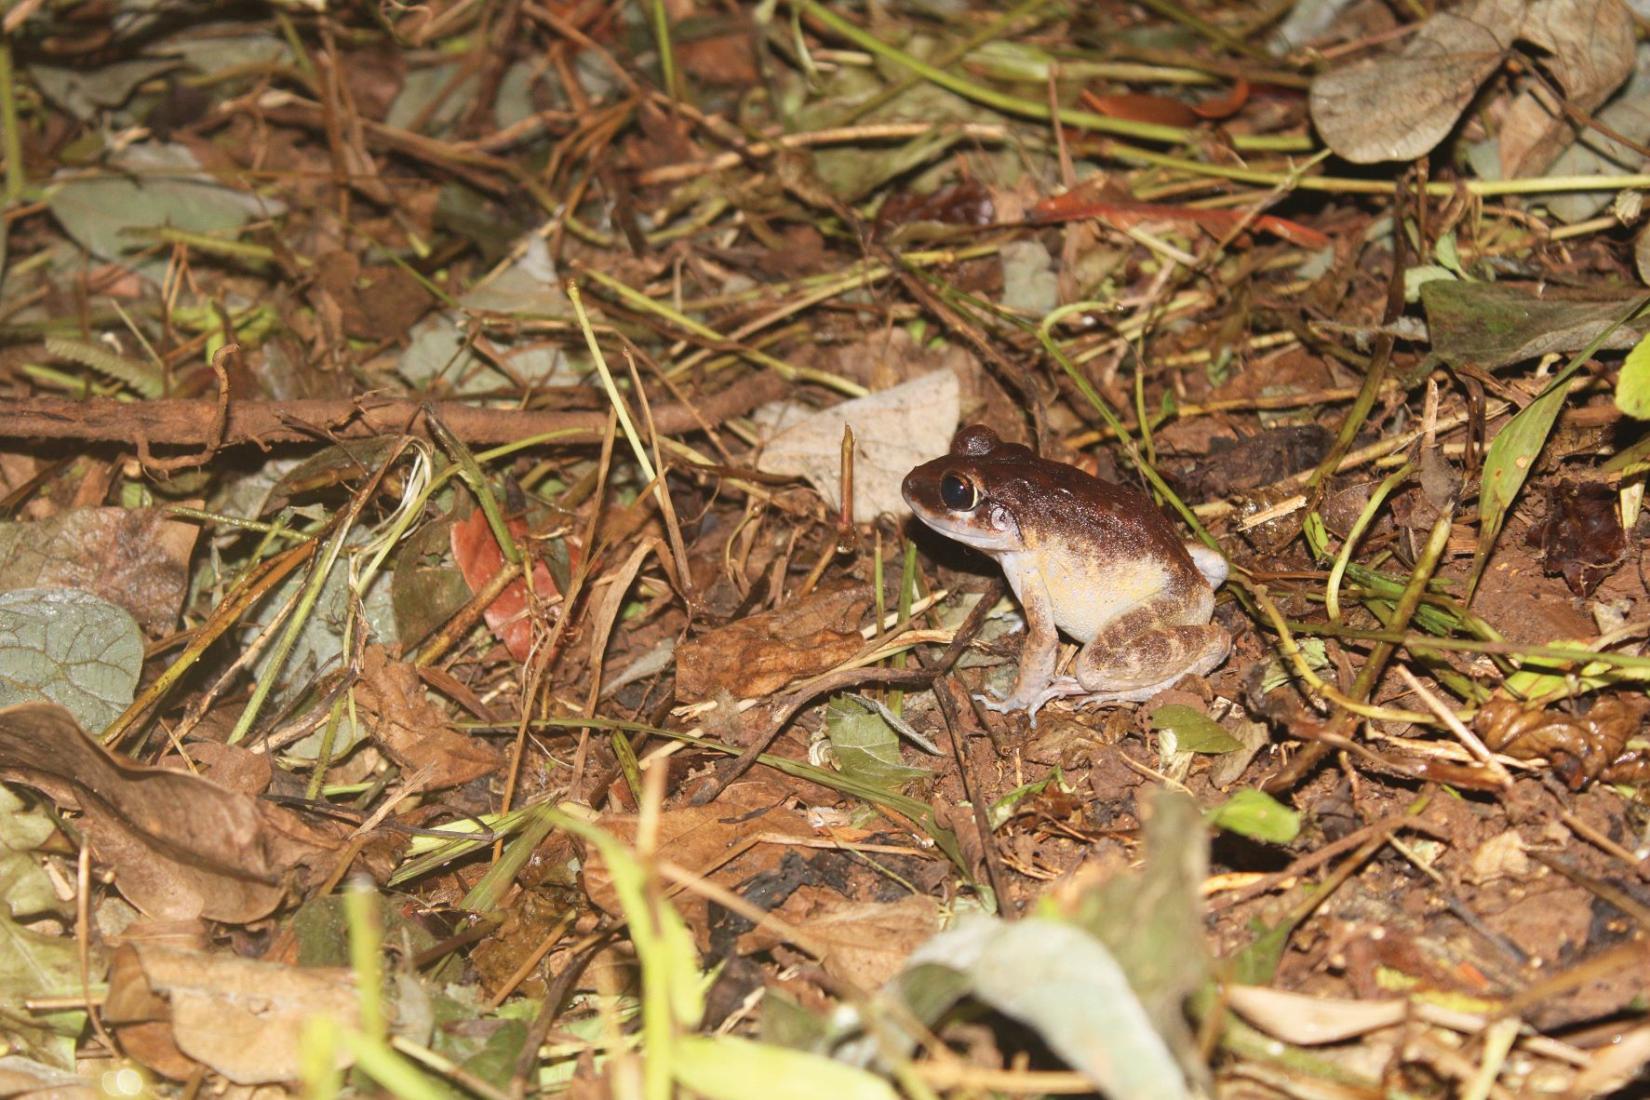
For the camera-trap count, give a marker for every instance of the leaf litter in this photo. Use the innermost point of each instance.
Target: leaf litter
(463, 634)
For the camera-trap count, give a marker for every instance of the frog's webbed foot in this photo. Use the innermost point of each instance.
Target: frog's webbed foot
(1031, 701)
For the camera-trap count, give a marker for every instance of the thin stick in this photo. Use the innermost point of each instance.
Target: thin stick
(1457, 727)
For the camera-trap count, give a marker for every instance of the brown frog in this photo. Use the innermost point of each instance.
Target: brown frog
(1084, 556)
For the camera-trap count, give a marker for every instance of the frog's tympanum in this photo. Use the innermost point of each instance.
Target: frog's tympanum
(1091, 558)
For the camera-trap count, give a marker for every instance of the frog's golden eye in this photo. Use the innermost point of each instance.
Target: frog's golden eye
(958, 493)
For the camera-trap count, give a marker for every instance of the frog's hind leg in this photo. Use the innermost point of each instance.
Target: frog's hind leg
(1140, 655)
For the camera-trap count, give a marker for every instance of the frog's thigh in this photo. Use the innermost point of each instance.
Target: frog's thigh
(1140, 651)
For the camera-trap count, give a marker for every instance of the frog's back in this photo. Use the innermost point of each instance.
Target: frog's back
(1101, 520)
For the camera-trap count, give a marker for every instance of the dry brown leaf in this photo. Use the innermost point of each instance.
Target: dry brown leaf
(378, 303)
(1399, 108)
(894, 430)
(232, 766)
(1308, 1021)
(752, 657)
(1580, 747)
(866, 942)
(26, 1079)
(142, 1018)
(1589, 47)
(242, 1018)
(699, 838)
(180, 846)
(412, 730)
(136, 558)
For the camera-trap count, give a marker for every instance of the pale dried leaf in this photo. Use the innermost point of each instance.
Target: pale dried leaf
(180, 847)
(1399, 108)
(1308, 1021)
(1589, 44)
(245, 1018)
(894, 430)
(137, 558)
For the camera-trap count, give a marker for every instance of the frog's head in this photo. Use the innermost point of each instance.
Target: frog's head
(969, 494)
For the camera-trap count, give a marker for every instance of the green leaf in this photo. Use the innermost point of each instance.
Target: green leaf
(165, 187)
(1548, 678)
(725, 1067)
(866, 746)
(1513, 452)
(1003, 808)
(1193, 730)
(71, 647)
(1420, 275)
(25, 888)
(1063, 984)
(1446, 253)
(1258, 816)
(32, 966)
(1633, 384)
(1493, 325)
(143, 379)
(1278, 672)
(1151, 919)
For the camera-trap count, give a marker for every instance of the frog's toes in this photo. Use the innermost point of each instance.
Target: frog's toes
(1000, 704)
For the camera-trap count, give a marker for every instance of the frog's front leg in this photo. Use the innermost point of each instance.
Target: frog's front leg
(1038, 655)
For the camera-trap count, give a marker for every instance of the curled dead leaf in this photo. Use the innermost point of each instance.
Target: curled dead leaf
(412, 730)
(242, 1018)
(1400, 107)
(180, 846)
(1581, 747)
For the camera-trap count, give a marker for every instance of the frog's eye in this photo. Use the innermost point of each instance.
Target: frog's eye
(958, 493)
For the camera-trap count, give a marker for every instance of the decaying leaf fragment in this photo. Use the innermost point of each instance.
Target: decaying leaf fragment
(181, 847)
(137, 558)
(412, 730)
(762, 653)
(243, 1018)
(1581, 747)
(1581, 537)
(1398, 108)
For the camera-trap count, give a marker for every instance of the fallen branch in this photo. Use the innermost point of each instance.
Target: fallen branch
(197, 423)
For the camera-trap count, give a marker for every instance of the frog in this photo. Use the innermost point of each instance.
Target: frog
(1093, 559)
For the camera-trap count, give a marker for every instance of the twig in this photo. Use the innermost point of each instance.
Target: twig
(175, 422)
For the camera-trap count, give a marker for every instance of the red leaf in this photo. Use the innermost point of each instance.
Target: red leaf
(1141, 108)
(1227, 106)
(1080, 203)
(479, 558)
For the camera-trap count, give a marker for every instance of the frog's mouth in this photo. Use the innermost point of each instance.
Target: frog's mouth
(990, 529)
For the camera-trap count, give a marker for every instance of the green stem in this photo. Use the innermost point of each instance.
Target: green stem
(667, 55)
(1337, 185)
(13, 138)
(951, 56)
(1031, 108)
